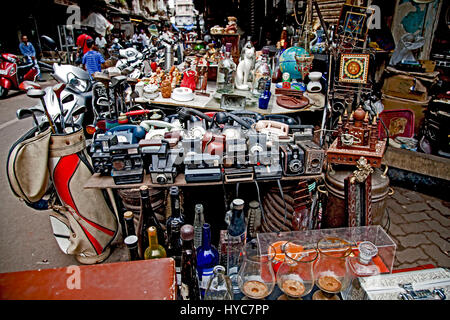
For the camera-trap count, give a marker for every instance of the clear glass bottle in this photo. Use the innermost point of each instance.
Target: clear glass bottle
(199, 220)
(207, 259)
(154, 249)
(219, 286)
(147, 219)
(189, 287)
(226, 72)
(262, 74)
(236, 238)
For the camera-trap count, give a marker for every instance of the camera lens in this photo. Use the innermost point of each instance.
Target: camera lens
(295, 165)
(161, 179)
(315, 163)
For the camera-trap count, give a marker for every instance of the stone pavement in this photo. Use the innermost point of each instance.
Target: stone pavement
(420, 226)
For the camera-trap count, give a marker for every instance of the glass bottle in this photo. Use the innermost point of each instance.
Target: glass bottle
(129, 224)
(199, 220)
(226, 72)
(207, 259)
(176, 216)
(189, 287)
(236, 238)
(154, 249)
(147, 219)
(264, 98)
(262, 74)
(174, 246)
(132, 245)
(219, 287)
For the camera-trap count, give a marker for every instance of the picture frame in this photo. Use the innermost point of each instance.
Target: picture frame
(353, 22)
(354, 68)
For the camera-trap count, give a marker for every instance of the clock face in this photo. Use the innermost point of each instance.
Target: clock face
(286, 76)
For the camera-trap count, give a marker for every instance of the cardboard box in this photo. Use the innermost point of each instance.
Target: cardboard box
(428, 65)
(405, 87)
(418, 107)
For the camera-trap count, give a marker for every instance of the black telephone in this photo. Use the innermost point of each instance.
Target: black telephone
(283, 118)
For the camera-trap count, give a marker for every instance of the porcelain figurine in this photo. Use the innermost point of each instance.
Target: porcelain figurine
(245, 66)
(231, 28)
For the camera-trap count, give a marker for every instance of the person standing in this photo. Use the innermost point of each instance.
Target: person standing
(27, 49)
(100, 42)
(93, 60)
(82, 46)
(144, 39)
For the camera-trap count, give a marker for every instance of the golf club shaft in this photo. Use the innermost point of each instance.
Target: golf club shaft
(49, 118)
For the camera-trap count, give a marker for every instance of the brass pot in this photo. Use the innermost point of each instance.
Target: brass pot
(335, 215)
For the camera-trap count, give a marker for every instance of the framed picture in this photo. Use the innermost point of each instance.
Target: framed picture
(354, 68)
(353, 22)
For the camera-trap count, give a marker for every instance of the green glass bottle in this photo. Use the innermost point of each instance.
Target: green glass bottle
(154, 250)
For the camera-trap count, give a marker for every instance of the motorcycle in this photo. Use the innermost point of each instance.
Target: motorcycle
(13, 72)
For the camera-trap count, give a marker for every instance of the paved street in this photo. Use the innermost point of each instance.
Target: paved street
(419, 224)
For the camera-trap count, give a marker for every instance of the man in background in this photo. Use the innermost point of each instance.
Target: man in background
(93, 60)
(27, 50)
(100, 42)
(82, 46)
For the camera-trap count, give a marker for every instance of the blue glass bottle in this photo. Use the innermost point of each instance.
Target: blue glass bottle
(264, 98)
(207, 259)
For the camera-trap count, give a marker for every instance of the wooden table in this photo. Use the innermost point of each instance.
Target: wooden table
(106, 182)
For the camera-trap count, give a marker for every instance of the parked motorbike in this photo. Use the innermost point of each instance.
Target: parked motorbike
(13, 72)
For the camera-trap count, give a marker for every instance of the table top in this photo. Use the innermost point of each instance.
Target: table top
(212, 102)
(96, 181)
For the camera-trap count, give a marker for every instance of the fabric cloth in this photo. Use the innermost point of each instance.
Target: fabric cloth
(93, 61)
(98, 22)
(100, 42)
(81, 42)
(27, 49)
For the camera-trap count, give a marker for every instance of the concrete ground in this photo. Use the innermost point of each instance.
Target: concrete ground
(419, 224)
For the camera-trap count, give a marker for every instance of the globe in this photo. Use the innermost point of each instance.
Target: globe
(288, 63)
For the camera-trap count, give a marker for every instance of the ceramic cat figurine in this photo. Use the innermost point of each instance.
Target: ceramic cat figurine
(245, 66)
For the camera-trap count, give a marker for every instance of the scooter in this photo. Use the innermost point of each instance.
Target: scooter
(14, 71)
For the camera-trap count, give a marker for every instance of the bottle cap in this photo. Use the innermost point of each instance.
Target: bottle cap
(128, 215)
(187, 232)
(151, 231)
(131, 241)
(198, 207)
(238, 204)
(143, 190)
(174, 191)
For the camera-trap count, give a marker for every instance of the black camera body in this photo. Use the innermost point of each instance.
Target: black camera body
(302, 132)
(161, 169)
(127, 164)
(100, 153)
(202, 167)
(314, 156)
(292, 159)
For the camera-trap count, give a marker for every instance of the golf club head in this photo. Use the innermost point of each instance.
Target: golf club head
(24, 113)
(58, 88)
(27, 85)
(35, 93)
(78, 110)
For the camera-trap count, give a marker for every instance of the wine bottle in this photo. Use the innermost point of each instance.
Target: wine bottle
(129, 224)
(236, 238)
(174, 247)
(207, 259)
(176, 217)
(154, 249)
(189, 288)
(132, 245)
(219, 287)
(199, 220)
(147, 219)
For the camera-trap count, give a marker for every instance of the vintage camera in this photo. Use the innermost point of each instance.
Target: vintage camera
(302, 132)
(127, 164)
(292, 159)
(100, 153)
(314, 156)
(268, 172)
(161, 169)
(202, 167)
